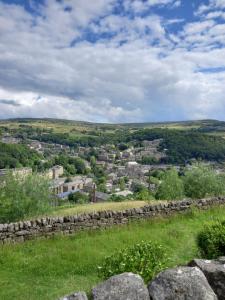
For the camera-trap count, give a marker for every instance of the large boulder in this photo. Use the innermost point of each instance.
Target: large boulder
(126, 286)
(214, 271)
(182, 283)
(75, 296)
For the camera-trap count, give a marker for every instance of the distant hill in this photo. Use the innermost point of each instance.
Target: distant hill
(184, 140)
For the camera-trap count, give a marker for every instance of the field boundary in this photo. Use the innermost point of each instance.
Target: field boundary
(48, 227)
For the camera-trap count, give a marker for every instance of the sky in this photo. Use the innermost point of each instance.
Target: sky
(112, 60)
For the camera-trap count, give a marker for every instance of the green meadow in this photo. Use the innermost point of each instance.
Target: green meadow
(48, 269)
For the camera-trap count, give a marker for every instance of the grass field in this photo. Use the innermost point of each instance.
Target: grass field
(93, 207)
(47, 269)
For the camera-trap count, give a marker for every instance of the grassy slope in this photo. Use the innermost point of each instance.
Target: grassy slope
(47, 269)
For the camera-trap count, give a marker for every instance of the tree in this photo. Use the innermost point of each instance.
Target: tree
(23, 196)
(171, 187)
(78, 198)
(137, 187)
(102, 188)
(202, 181)
(149, 160)
(123, 146)
(80, 165)
(122, 184)
(144, 194)
(93, 161)
(71, 169)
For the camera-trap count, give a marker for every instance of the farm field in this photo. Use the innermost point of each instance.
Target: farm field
(48, 269)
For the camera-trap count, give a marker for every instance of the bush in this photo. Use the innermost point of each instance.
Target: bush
(78, 198)
(23, 196)
(211, 240)
(146, 259)
(117, 198)
(202, 181)
(171, 187)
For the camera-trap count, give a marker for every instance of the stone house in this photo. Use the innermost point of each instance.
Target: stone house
(100, 163)
(57, 171)
(78, 183)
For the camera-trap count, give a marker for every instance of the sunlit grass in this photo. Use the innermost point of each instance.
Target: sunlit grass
(93, 207)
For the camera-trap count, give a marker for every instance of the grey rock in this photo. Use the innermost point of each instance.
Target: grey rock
(75, 296)
(214, 271)
(126, 286)
(182, 283)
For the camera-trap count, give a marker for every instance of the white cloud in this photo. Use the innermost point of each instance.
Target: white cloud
(139, 6)
(212, 5)
(135, 70)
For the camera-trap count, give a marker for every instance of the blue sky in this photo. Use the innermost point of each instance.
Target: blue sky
(112, 60)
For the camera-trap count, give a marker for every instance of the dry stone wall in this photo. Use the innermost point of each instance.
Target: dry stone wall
(47, 227)
(200, 280)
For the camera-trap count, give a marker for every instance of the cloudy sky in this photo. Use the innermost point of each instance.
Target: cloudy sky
(112, 60)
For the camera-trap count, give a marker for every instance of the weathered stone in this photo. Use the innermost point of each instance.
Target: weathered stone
(182, 283)
(96, 220)
(75, 296)
(23, 232)
(126, 286)
(214, 271)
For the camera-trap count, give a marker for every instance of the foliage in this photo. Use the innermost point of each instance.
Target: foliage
(102, 187)
(171, 187)
(92, 161)
(144, 194)
(181, 145)
(71, 165)
(202, 181)
(17, 155)
(123, 146)
(149, 160)
(117, 198)
(78, 198)
(211, 240)
(23, 197)
(137, 187)
(157, 173)
(122, 184)
(145, 258)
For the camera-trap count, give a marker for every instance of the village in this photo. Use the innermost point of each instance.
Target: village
(121, 168)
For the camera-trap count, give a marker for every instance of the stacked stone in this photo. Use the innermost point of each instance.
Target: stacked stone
(200, 280)
(47, 227)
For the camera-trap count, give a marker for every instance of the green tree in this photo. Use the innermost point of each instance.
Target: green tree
(93, 161)
(171, 187)
(78, 198)
(23, 196)
(102, 187)
(122, 184)
(144, 194)
(202, 181)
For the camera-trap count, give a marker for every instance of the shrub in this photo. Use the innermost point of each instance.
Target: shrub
(117, 198)
(23, 196)
(202, 181)
(211, 240)
(171, 187)
(78, 198)
(145, 259)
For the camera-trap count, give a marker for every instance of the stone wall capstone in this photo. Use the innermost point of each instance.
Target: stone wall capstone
(50, 226)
